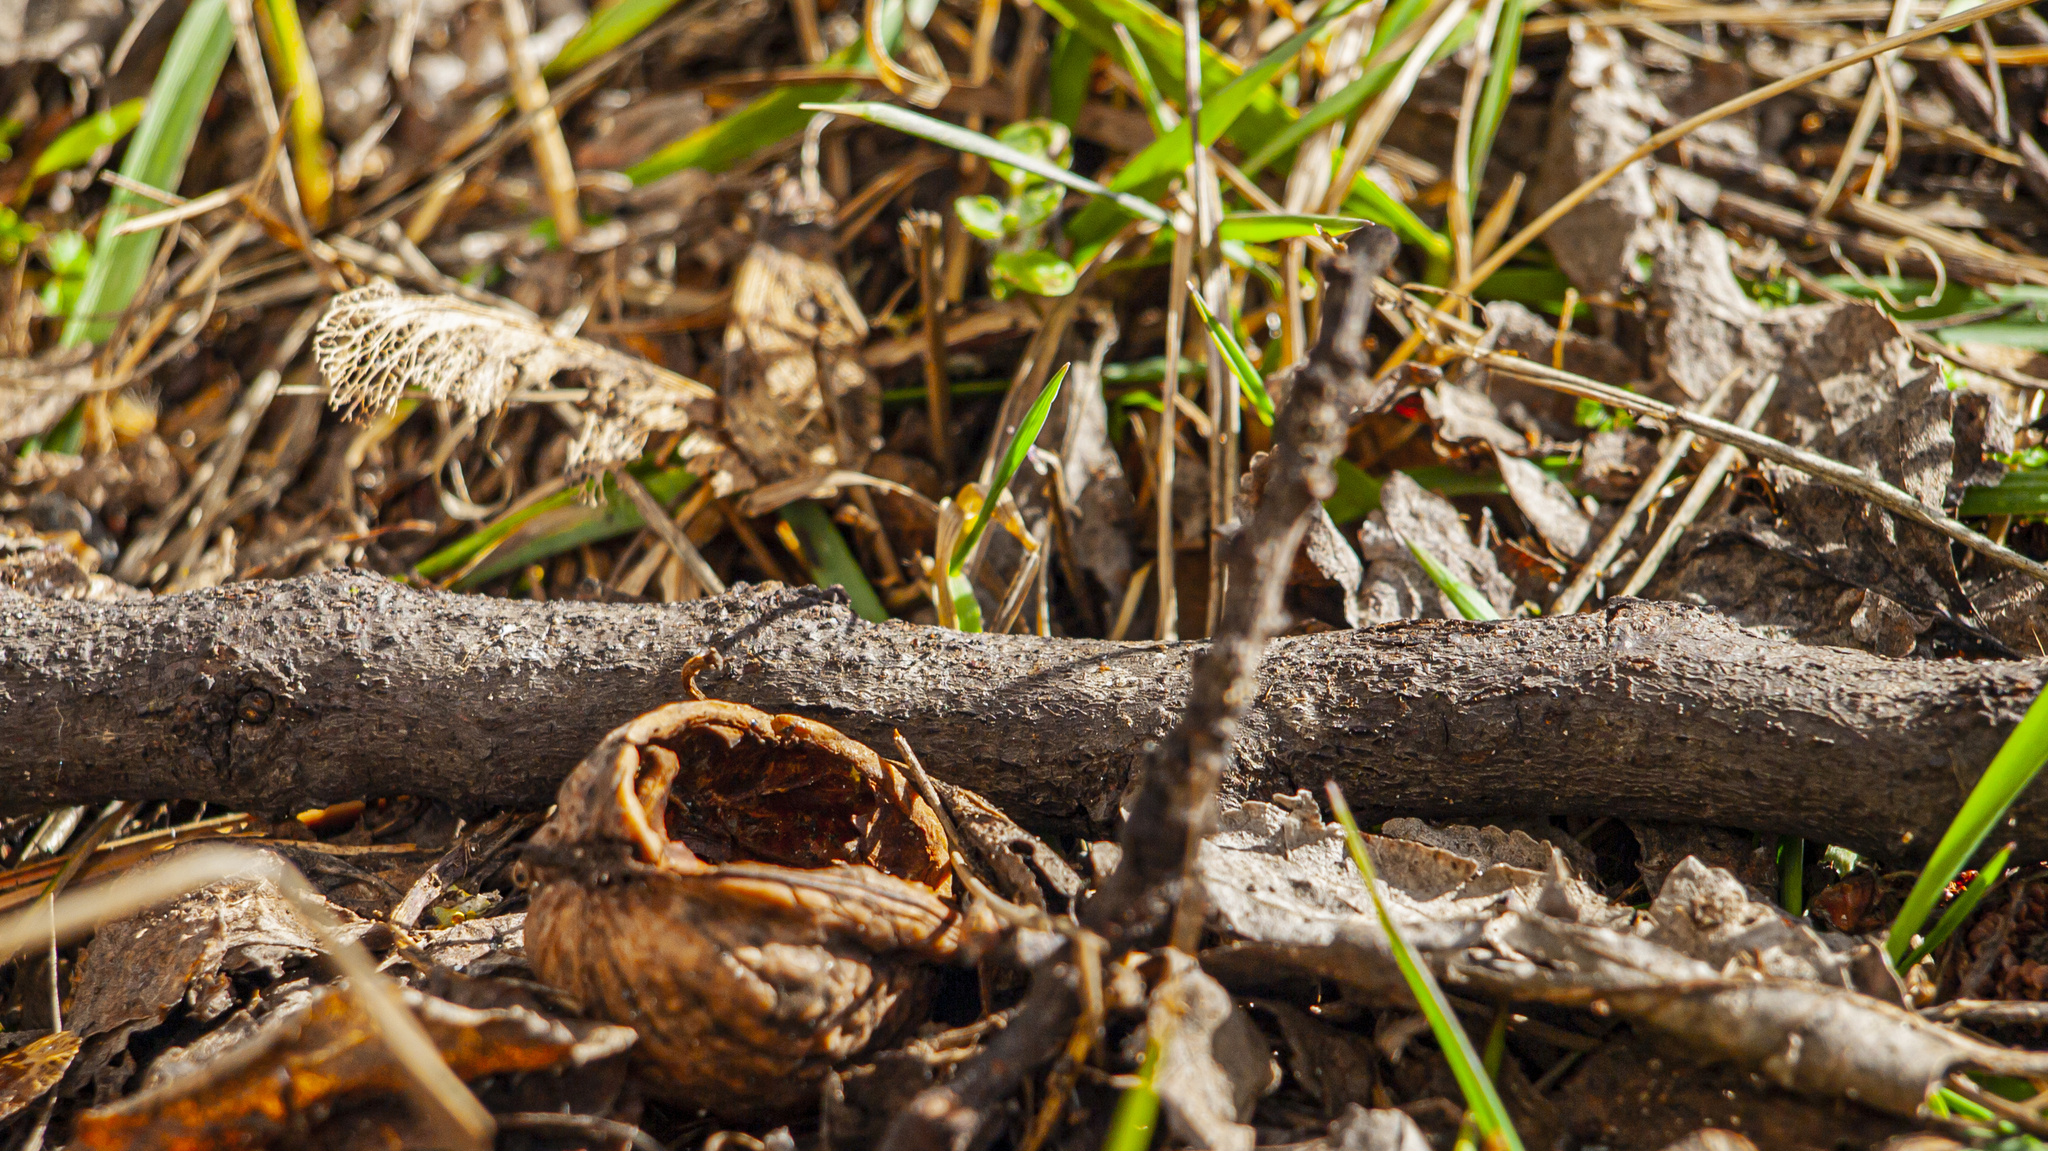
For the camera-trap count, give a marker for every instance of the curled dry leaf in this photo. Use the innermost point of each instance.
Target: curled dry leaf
(327, 1054)
(376, 341)
(760, 896)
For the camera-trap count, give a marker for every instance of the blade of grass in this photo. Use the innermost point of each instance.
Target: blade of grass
(1483, 1104)
(769, 119)
(570, 523)
(2011, 770)
(1148, 173)
(1158, 36)
(1006, 468)
(1468, 600)
(1068, 73)
(1498, 90)
(1248, 379)
(1991, 876)
(1157, 111)
(78, 142)
(608, 28)
(1137, 1109)
(2017, 494)
(298, 81)
(156, 157)
(1267, 227)
(831, 562)
(1792, 874)
(958, 138)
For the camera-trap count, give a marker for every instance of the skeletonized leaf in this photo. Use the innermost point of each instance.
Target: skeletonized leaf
(376, 341)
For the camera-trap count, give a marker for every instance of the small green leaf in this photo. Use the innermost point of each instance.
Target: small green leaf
(1006, 470)
(1036, 204)
(1047, 140)
(1069, 72)
(1248, 379)
(1040, 273)
(982, 216)
(81, 140)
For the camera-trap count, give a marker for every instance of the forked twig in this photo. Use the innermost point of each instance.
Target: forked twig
(1703, 489)
(1174, 805)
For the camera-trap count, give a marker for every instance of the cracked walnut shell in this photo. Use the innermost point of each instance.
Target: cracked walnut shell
(759, 896)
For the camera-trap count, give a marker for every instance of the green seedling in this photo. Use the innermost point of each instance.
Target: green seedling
(2011, 770)
(15, 235)
(1483, 1106)
(1137, 1109)
(70, 259)
(608, 28)
(1015, 224)
(1792, 874)
(291, 59)
(965, 608)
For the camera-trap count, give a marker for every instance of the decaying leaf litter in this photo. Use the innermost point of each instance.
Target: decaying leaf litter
(551, 304)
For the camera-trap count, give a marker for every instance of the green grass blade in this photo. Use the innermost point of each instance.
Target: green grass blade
(1267, 227)
(1158, 36)
(78, 142)
(2017, 494)
(832, 563)
(1068, 73)
(1148, 92)
(1006, 469)
(156, 157)
(1483, 1104)
(608, 28)
(1346, 101)
(1792, 874)
(2011, 770)
(1137, 1109)
(1497, 89)
(1990, 877)
(1372, 202)
(1468, 600)
(1248, 379)
(546, 528)
(764, 122)
(298, 81)
(1148, 173)
(958, 138)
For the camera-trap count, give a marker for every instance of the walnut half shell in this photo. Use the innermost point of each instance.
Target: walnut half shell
(759, 896)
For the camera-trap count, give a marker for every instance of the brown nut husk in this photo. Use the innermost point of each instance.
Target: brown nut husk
(759, 896)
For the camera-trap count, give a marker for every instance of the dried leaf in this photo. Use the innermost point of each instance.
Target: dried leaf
(1601, 114)
(1213, 1066)
(375, 342)
(1548, 505)
(798, 397)
(328, 1054)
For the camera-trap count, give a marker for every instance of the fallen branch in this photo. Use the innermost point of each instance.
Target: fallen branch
(284, 695)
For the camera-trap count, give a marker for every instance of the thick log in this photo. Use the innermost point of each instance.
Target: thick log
(282, 695)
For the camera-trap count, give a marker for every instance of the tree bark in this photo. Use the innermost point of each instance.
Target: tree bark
(277, 696)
